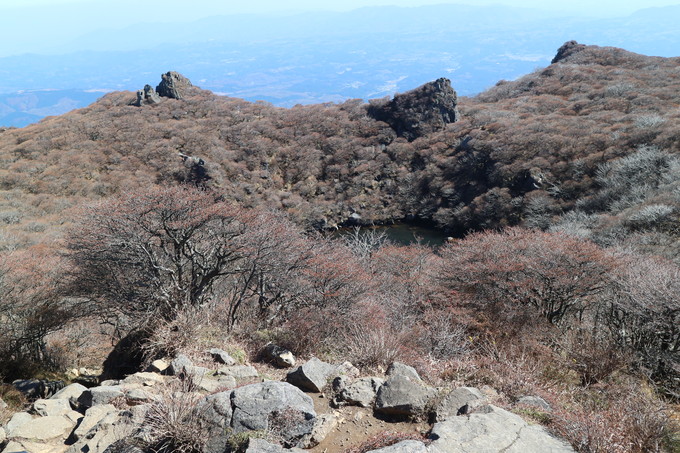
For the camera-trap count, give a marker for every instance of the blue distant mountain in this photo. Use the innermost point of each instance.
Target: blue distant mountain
(321, 57)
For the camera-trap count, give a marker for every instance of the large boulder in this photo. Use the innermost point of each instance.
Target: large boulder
(256, 406)
(402, 396)
(312, 376)
(492, 430)
(418, 112)
(173, 85)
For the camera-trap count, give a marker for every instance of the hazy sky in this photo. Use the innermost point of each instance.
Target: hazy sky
(41, 26)
(146, 7)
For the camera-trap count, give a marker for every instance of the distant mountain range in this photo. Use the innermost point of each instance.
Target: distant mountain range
(318, 57)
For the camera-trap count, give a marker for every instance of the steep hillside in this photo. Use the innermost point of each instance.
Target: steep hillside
(542, 137)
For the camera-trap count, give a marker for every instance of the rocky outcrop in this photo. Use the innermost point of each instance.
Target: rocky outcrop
(147, 96)
(465, 423)
(567, 49)
(173, 85)
(493, 429)
(418, 112)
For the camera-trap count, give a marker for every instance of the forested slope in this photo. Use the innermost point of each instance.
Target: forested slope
(534, 144)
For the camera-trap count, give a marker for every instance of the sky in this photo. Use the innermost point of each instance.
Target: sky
(145, 8)
(41, 26)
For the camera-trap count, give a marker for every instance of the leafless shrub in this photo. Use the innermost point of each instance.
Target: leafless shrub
(373, 345)
(174, 421)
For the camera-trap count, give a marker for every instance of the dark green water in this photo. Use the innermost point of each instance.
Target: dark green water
(403, 233)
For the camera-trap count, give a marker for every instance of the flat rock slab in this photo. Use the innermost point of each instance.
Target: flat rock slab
(240, 372)
(43, 428)
(49, 407)
(493, 430)
(148, 379)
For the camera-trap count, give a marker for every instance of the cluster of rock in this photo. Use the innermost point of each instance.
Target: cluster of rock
(426, 109)
(173, 85)
(268, 416)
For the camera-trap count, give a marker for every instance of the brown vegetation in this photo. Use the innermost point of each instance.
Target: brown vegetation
(207, 205)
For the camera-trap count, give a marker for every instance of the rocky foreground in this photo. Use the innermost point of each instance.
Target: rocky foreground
(230, 407)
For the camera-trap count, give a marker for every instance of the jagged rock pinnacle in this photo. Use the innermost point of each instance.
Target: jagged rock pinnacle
(418, 112)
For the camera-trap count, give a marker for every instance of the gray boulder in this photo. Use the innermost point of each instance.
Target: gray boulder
(221, 356)
(254, 404)
(180, 364)
(173, 85)
(405, 446)
(312, 376)
(361, 392)
(99, 395)
(492, 430)
(400, 369)
(279, 356)
(459, 401)
(402, 396)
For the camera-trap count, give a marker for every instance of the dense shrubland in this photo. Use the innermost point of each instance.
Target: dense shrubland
(579, 304)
